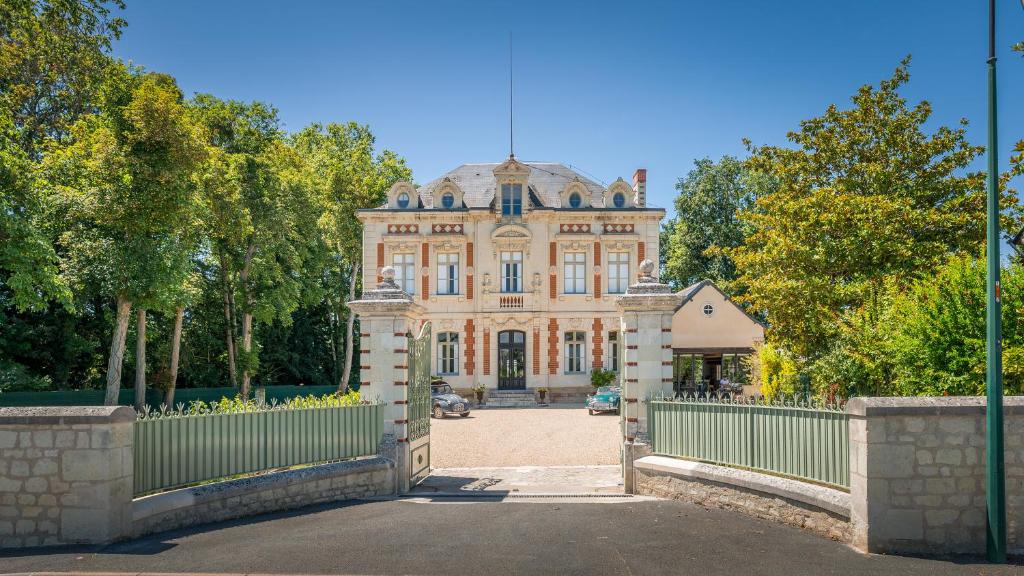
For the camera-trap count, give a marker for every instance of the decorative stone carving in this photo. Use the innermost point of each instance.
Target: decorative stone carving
(574, 228)
(618, 228)
(403, 228)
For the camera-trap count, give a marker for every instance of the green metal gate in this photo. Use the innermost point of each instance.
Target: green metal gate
(419, 405)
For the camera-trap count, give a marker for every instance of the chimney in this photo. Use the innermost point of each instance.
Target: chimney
(640, 188)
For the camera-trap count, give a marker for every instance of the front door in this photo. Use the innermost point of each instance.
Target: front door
(511, 360)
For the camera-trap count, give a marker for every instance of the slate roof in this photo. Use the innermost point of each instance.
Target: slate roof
(547, 179)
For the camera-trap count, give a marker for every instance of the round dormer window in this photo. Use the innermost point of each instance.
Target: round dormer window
(709, 309)
(575, 200)
(619, 200)
(448, 200)
(403, 200)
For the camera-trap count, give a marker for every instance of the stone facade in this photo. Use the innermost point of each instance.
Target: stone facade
(758, 495)
(65, 475)
(917, 471)
(272, 492)
(454, 241)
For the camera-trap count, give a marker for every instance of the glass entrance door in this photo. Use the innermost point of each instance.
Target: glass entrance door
(511, 360)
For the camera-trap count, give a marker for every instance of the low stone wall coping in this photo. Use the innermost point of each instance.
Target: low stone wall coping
(928, 405)
(830, 499)
(57, 415)
(163, 502)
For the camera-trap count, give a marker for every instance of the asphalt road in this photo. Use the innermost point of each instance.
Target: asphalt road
(407, 537)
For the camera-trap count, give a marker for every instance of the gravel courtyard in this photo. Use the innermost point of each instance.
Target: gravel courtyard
(550, 436)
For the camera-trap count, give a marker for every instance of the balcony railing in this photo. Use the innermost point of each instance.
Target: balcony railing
(511, 301)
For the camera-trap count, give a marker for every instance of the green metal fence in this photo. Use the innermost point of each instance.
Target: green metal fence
(179, 450)
(808, 442)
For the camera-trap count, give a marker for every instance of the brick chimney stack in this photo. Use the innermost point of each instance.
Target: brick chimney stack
(640, 187)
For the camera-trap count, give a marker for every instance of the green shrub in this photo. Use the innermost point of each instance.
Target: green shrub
(779, 376)
(601, 377)
(236, 405)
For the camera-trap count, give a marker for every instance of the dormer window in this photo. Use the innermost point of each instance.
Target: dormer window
(448, 200)
(619, 200)
(403, 200)
(511, 199)
(575, 200)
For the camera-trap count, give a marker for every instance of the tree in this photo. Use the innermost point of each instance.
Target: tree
(261, 222)
(123, 187)
(928, 338)
(706, 222)
(53, 57)
(351, 178)
(865, 196)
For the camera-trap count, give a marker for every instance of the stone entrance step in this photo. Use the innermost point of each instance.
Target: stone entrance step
(511, 399)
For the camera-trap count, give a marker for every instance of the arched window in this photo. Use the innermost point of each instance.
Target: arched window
(403, 200)
(448, 353)
(448, 200)
(619, 199)
(575, 200)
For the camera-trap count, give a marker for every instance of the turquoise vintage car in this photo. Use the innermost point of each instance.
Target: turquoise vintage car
(604, 399)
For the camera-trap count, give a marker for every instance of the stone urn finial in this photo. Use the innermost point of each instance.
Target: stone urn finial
(646, 271)
(388, 274)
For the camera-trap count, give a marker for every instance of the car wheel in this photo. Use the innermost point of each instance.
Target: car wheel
(617, 411)
(589, 411)
(438, 412)
(464, 414)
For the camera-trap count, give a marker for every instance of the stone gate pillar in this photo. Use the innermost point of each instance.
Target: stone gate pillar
(386, 316)
(646, 310)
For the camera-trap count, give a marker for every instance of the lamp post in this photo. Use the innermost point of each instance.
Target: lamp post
(995, 473)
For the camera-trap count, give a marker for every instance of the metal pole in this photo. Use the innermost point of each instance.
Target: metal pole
(995, 481)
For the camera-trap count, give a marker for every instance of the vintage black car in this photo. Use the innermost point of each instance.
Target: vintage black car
(446, 401)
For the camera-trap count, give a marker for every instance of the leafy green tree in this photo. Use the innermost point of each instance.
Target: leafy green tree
(53, 56)
(929, 337)
(865, 195)
(261, 221)
(707, 222)
(350, 177)
(123, 188)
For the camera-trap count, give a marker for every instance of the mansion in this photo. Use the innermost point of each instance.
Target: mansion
(518, 266)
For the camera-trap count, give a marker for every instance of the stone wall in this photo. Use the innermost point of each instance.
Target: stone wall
(822, 510)
(917, 471)
(65, 475)
(272, 492)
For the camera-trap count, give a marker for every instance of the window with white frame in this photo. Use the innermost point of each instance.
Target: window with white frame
(405, 272)
(448, 353)
(613, 350)
(575, 272)
(574, 351)
(448, 273)
(511, 271)
(618, 272)
(511, 199)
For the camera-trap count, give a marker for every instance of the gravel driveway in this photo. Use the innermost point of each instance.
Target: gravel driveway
(551, 436)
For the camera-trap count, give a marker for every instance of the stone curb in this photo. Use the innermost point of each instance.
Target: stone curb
(164, 502)
(57, 415)
(829, 499)
(930, 405)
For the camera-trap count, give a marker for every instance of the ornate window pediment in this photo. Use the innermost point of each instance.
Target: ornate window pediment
(619, 195)
(511, 237)
(575, 195)
(403, 195)
(447, 195)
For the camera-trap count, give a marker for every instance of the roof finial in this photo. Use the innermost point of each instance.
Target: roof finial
(511, 148)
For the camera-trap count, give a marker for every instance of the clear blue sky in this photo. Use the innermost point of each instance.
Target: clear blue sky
(606, 87)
